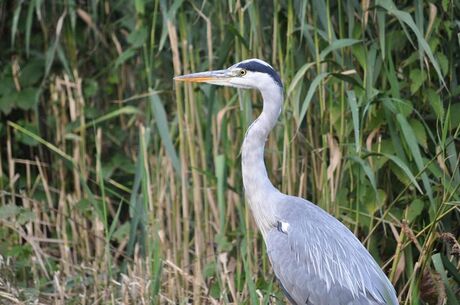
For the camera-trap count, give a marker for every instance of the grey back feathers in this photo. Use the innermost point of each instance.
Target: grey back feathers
(320, 262)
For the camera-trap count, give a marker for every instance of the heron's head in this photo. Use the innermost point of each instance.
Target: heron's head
(250, 73)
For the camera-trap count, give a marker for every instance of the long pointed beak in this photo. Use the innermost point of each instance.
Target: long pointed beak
(212, 77)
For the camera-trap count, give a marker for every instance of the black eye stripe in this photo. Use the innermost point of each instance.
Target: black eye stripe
(255, 66)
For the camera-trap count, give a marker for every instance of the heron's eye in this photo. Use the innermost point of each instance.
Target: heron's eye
(242, 72)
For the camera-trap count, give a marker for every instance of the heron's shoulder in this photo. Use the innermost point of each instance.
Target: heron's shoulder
(297, 208)
(310, 223)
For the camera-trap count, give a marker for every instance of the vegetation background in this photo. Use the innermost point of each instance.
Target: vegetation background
(118, 186)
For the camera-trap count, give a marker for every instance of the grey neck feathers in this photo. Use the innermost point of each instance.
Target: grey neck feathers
(257, 185)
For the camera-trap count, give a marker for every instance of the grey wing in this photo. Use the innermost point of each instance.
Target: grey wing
(320, 262)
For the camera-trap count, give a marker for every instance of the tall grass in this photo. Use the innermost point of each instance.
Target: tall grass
(117, 187)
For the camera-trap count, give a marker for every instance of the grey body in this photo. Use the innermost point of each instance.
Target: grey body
(326, 266)
(317, 260)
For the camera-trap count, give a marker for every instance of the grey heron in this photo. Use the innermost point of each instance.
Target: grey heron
(317, 259)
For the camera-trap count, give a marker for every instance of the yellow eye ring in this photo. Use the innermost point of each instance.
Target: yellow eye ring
(242, 72)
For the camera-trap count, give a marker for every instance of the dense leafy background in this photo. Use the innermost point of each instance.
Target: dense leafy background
(117, 186)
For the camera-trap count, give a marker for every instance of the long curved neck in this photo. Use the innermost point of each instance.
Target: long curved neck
(256, 183)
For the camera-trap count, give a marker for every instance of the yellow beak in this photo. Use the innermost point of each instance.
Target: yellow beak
(218, 77)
